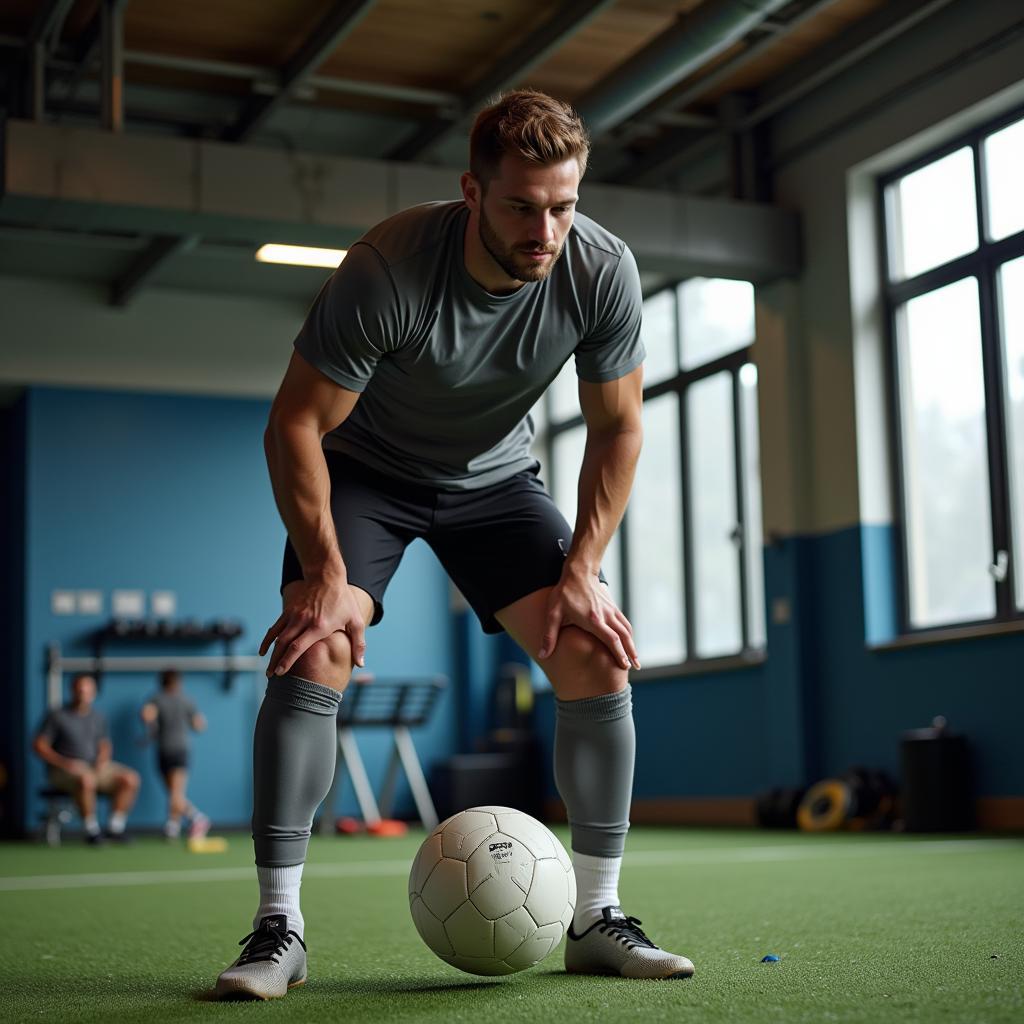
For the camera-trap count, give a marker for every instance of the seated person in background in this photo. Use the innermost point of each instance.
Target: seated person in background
(75, 743)
(169, 715)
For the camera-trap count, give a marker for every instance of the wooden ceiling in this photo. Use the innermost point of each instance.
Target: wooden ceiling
(436, 50)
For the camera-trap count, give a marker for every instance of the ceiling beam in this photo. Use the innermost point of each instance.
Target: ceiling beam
(664, 157)
(857, 42)
(112, 67)
(665, 107)
(670, 57)
(146, 264)
(64, 177)
(42, 39)
(342, 18)
(854, 45)
(46, 25)
(567, 21)
(86, 48)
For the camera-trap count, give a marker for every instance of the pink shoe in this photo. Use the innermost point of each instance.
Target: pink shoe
(199, 827)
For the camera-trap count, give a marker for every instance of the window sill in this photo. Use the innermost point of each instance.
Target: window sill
(729, 663)
(948, 635)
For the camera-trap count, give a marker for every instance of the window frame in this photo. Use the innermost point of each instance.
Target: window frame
(679, 384)
(983, 265)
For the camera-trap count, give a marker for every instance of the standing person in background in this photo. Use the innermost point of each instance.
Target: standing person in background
(75, 742)
(169, 715)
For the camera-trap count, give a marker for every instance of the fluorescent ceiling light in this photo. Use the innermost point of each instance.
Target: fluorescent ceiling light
(300, 255)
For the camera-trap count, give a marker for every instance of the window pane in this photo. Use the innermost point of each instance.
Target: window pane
(1004, 171)
(715, 528)
(659, 334)
(568, 457)
(564, 393)
(945, 457)
(655, 538)
(753, 541)
(932, 214)
(716, 317)
(1011, 292)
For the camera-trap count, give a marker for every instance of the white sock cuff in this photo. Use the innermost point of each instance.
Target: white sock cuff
(597, 887)
(279, 879)
(279, 894)
(601, 866)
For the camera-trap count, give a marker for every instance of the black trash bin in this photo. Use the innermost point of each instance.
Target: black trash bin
(938, 784)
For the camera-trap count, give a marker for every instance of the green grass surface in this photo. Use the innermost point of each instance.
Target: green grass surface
(868, 928)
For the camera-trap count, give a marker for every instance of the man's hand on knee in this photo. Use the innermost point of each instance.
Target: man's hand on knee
(313, 611)
(582, 600)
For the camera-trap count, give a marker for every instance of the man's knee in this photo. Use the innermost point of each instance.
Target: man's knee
(129, 779)
(87, 783)
(583, 654)
(328, 662)
(583, 648)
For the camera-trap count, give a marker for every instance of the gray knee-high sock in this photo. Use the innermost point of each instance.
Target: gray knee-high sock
(294, 755)
(595, 746)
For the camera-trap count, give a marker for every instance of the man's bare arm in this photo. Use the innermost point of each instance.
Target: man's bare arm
(612, 412)
(307, 406)
(43, 749)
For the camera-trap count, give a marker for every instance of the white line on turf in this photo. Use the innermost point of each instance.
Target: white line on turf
(809, 850)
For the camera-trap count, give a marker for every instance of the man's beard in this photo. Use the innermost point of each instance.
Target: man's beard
(526, 270)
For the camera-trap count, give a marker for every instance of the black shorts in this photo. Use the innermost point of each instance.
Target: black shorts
(497, 543)
(168, 762)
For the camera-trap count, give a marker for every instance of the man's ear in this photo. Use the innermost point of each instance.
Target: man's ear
(471, 191)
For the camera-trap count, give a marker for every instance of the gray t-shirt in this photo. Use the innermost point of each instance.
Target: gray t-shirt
(74, 735)
(448, 371)
(174, 714)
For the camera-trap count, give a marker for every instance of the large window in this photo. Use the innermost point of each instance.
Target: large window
(954, 281)
(686, 565)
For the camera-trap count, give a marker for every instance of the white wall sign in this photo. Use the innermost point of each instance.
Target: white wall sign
(129, 603)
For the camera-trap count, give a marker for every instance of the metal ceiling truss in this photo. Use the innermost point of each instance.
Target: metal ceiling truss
(635, 98)
(160, 249)
(557, 30)
(695, 39)
(41, 41)
(854, 45)
(339, 22)
(668, 106)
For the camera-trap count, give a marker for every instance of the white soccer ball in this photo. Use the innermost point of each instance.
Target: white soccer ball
(492, 891)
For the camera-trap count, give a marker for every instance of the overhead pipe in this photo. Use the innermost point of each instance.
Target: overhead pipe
(694, 40)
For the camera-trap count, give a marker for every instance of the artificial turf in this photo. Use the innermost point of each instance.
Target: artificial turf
(867, 927)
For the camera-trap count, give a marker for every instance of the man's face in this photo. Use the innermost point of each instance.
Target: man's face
(525, 213)
(84, 690)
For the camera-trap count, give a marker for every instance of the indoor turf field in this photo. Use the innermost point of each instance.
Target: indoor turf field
(879, 928)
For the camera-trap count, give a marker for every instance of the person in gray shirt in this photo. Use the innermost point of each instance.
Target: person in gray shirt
(74, 742)
(404, 414)
(169, 715)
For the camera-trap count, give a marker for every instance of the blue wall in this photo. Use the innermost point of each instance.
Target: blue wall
(867, 697)
(163, 492)
(160, 492)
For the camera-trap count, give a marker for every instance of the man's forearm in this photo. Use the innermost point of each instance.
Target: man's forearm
(302, 490)
(49, 755)
(606, 477)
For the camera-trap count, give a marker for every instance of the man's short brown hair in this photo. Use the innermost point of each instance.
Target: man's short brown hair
(530, 125)
(169, 677)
